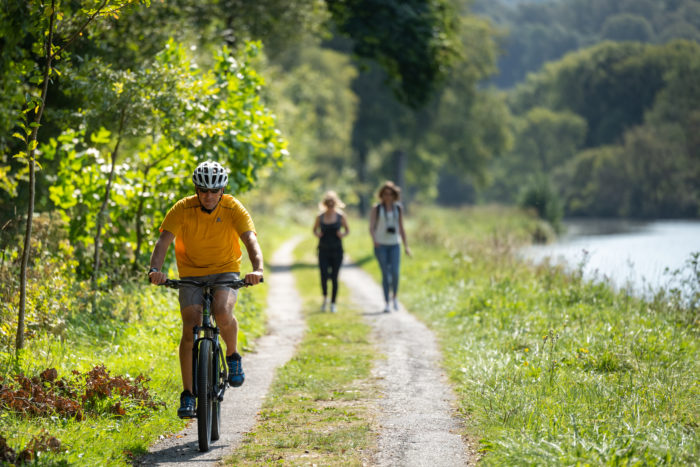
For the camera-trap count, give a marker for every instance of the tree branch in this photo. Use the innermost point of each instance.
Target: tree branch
(79, 31)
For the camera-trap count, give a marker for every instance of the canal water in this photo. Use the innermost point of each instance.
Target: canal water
(640, 256)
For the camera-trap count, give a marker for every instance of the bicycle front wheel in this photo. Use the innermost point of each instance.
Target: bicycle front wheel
(205, 383)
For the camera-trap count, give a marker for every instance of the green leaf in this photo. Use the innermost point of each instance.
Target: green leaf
(101, 137)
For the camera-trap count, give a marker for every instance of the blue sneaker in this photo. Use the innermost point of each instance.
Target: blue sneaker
(187, 405)
(235, 370)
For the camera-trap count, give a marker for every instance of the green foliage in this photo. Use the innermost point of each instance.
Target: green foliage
(279, 24)
(316, 109)
(610, 86)
(539, 195)
(460, 127)
(172, 114)
(413, 41)
(238, 129)
(47, 290)
(627, 27)
(546, 139)
(29, 64)
(591, 182)
(468, 126)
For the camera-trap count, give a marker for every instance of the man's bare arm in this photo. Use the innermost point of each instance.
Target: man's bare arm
(250, 240)
(158, 256)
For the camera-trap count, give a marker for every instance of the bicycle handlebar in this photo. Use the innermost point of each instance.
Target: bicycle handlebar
(234, 284)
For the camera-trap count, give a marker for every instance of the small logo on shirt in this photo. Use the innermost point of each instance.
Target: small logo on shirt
(218, 219)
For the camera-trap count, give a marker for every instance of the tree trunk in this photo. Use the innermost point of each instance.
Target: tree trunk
(139, 236)
(31, 146)
(363, 206)
(400, 174)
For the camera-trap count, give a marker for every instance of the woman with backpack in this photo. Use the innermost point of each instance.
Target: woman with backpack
(330, 227)
(386, 228)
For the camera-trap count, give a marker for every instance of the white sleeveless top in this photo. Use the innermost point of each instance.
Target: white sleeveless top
(387, 219)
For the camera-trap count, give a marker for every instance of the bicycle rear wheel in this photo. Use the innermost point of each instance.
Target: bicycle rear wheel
(205, 382)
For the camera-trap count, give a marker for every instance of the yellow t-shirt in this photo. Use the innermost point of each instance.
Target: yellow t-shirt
(207, 243)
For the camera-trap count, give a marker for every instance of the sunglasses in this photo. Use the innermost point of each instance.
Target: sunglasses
(205, 190)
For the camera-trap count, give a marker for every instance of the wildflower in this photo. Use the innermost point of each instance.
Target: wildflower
(526, 349)
(525, 363)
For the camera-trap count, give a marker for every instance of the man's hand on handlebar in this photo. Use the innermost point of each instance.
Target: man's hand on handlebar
(254, 277)
(157, 277)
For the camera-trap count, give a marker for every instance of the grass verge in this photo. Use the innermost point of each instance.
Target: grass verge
(318, 410)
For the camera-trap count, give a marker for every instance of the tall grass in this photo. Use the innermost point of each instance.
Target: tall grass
(550, 369)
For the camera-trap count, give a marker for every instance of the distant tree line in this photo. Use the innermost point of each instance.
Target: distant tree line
(610, 131)
(536, 32)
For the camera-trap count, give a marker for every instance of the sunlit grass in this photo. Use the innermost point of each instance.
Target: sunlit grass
(550, 370)
(317, 411)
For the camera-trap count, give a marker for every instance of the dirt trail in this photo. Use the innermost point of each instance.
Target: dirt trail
(240, 406)
(419, 426)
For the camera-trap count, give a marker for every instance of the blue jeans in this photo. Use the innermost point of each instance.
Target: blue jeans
(389, 257)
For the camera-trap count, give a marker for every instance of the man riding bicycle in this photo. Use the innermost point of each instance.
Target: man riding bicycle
(207, 228)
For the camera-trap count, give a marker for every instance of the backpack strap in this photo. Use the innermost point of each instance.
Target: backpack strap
(376, 214)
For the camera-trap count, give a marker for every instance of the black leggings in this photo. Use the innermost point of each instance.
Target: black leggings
(329, 261)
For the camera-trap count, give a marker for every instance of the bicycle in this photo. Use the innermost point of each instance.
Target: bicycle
(209, 368)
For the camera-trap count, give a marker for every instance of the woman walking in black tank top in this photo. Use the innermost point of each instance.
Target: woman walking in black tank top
(330, 227)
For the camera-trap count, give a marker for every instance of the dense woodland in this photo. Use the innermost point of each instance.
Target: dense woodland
(106, 105)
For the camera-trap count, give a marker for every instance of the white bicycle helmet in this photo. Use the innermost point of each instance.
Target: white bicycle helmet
(210, 175)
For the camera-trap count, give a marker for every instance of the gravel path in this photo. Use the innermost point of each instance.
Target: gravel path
(418, 422)
(240, 406)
